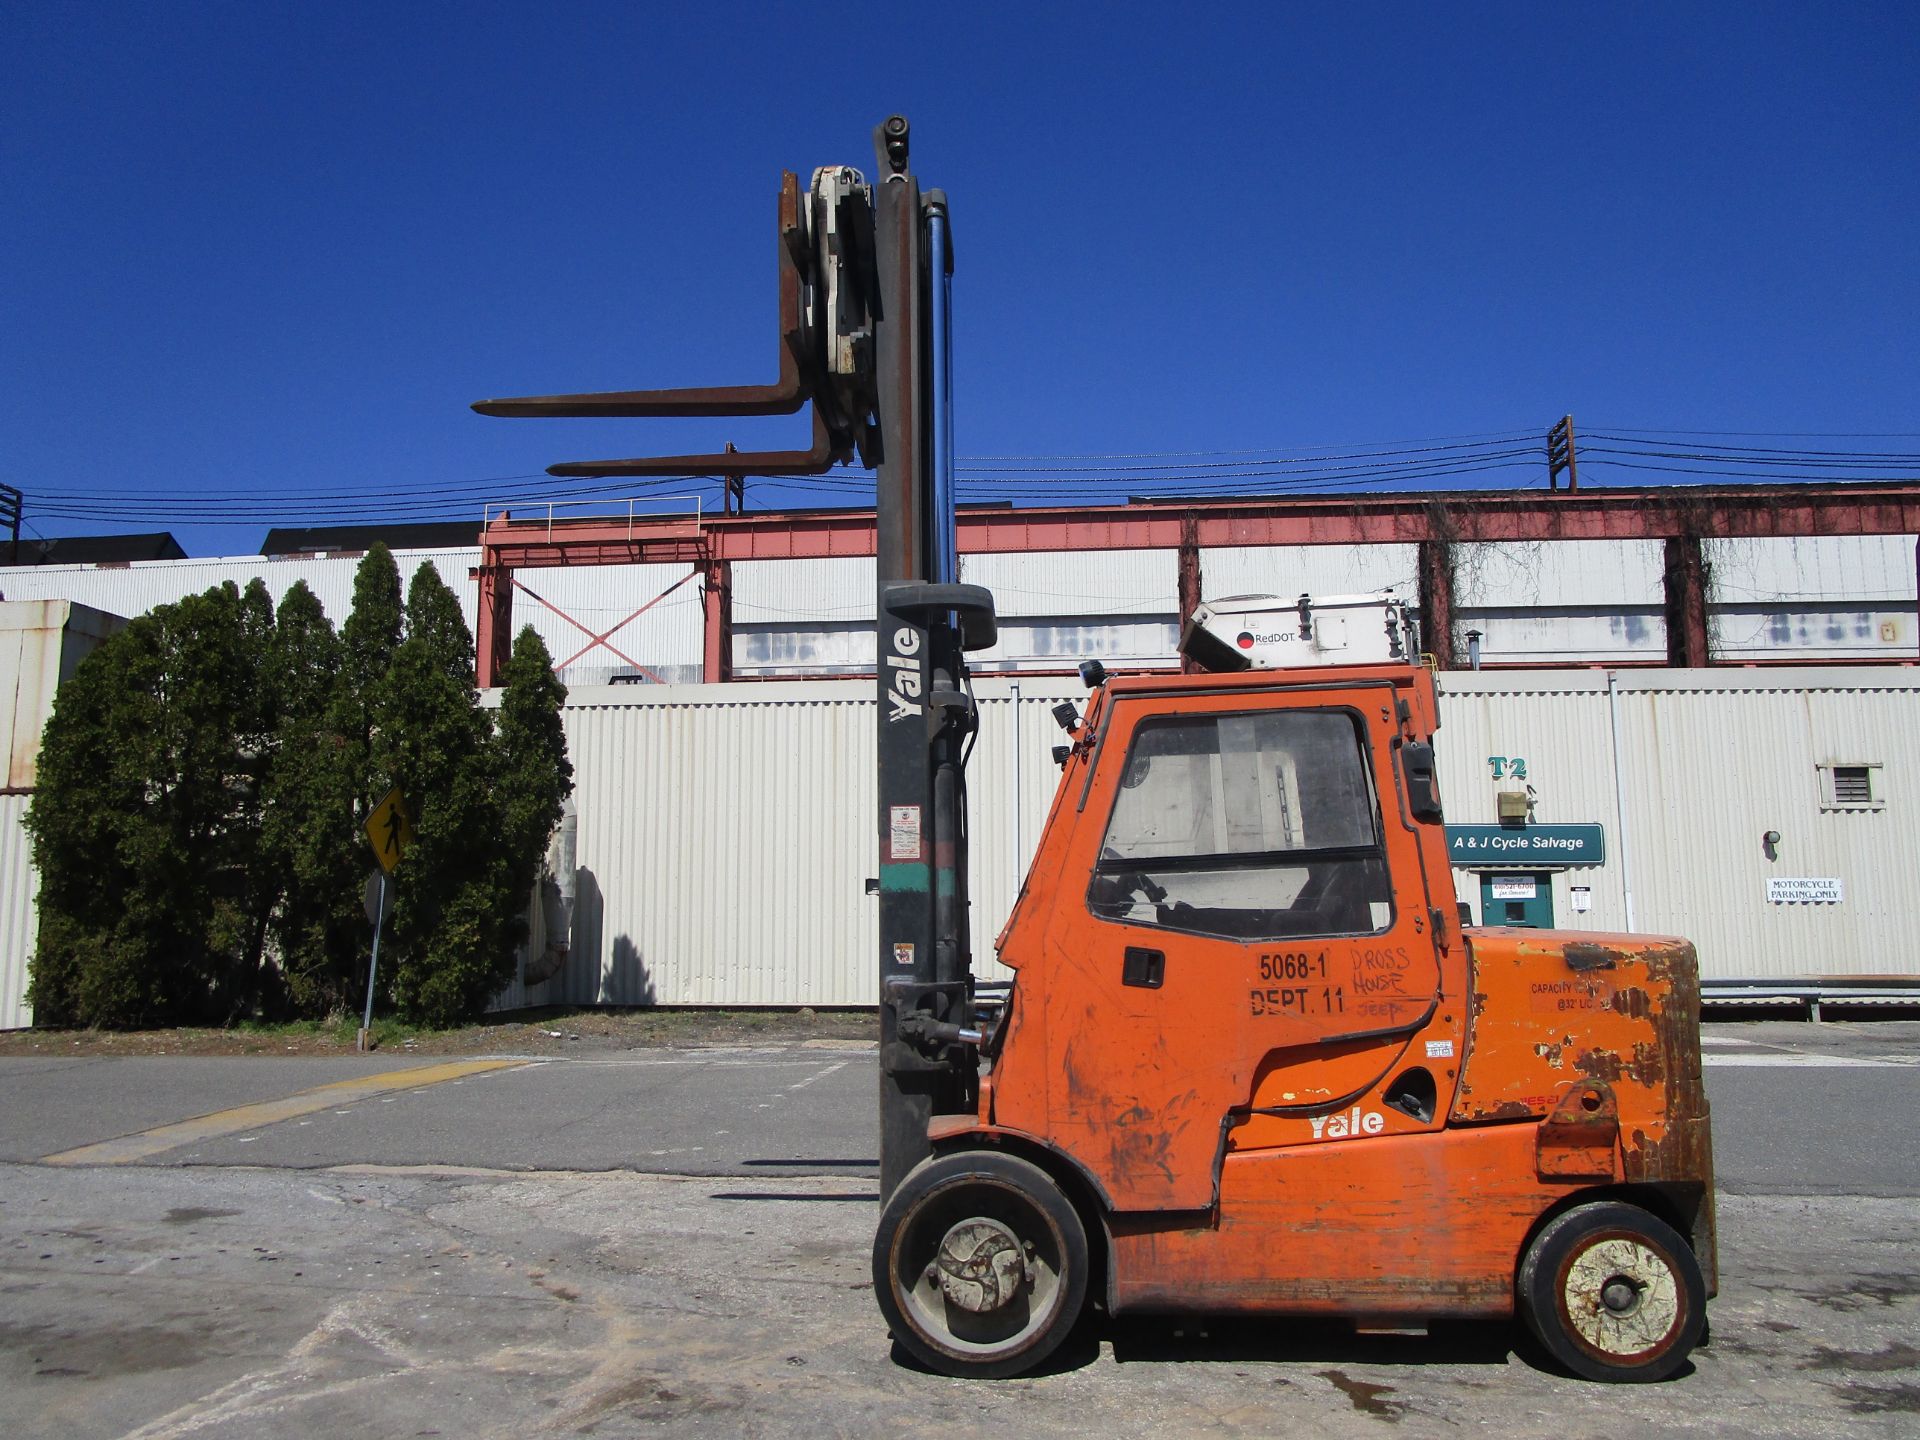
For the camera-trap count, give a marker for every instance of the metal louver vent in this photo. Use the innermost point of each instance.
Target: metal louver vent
(1852, 785)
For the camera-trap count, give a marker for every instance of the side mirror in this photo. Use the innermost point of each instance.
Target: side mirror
(1423, 787)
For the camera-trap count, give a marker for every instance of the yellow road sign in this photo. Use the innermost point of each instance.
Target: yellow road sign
(390, 829)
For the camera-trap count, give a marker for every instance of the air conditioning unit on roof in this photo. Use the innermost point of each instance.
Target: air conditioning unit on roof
(1264, 632)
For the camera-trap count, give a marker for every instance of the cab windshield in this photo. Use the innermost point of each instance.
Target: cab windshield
(1262, 826)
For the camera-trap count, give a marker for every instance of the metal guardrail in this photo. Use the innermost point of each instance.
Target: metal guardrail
(1898, 992)
(532, 511)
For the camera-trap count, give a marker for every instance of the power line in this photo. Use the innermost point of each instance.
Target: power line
(1170, 474)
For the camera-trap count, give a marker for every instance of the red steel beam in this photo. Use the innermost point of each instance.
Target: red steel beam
(1865, 508)
(1684, 584)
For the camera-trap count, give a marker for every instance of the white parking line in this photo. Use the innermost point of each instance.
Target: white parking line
(801, 1085)
(1802, 1062)
(770, 1061)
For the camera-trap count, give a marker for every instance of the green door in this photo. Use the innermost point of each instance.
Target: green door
(1517, 897)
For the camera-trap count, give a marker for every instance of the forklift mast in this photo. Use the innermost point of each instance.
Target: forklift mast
(925, 621)
(865, 329)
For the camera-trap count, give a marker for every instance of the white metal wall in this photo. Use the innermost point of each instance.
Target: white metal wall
(1841, 597)
(19, 921)
(1289, 570)
(726, 832)
(665, 639)
(41, 643)
(135, 589)
(1710, 762)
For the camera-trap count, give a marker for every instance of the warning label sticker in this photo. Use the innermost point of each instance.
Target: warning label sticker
(903, 832)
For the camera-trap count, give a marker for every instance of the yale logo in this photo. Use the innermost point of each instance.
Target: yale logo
(904, 694)
(1345, 1127)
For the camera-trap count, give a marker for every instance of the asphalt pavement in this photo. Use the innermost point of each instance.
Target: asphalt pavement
(676, 1242)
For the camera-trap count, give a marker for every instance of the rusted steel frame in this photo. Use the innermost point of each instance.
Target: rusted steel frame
(783, 397)
(1189, 581)
(1684, 585)
(716, 632)
(1371, 520)
(493, 638)
(1434, 564)
(562, 553)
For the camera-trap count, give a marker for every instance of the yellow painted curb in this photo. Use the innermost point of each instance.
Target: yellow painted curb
(147, 1143)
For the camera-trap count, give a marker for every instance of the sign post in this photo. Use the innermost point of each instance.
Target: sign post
(390, 829)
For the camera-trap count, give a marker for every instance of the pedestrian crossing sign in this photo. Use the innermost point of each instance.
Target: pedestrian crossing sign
(390, 829)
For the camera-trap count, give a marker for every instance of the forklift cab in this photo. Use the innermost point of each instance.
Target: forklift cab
(1228, 921)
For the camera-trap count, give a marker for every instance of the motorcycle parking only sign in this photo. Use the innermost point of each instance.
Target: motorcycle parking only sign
(1792, 891)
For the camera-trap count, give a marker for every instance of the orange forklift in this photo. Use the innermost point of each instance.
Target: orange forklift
(1251, 1064)
(1251, 1061)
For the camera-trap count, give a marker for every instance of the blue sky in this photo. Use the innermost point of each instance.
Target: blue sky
(256, 256)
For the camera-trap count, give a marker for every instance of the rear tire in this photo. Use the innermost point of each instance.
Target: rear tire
(1613, 1293)
(980, 1264)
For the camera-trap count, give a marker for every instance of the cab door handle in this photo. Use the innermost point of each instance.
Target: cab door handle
(1144, 968)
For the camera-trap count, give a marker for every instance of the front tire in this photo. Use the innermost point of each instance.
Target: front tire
(980, 1264)
(1613, 1293)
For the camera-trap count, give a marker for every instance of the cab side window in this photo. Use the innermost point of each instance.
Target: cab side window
(1249, 827)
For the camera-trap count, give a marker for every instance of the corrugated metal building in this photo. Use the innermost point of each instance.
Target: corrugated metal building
(40, 644)
(726, 832)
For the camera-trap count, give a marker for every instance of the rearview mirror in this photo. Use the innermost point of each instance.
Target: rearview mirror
(1423, 788)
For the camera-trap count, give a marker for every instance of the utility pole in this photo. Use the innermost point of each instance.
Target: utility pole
(1560, 455)
(10, 500)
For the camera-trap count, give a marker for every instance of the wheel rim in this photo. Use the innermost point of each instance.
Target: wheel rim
(977, 1269)
(1622, 1299)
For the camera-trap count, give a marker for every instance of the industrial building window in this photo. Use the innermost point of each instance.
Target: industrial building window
(1249, 827)
(1851, 787)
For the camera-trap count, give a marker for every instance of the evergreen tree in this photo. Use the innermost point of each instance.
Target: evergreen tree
(203, 782)
(313, 855)
(372, 631)
(367, 643)
(533, 775)
(454, 911)
(146, 821)
(433, 618)
(90, 794)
